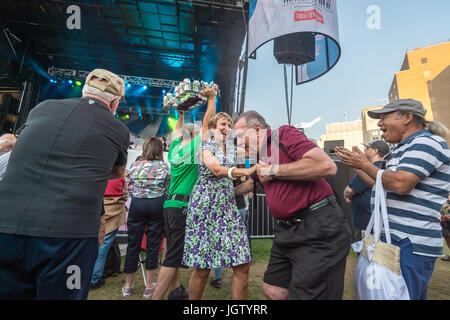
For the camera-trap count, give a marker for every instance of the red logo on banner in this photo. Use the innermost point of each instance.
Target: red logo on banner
(308, 15)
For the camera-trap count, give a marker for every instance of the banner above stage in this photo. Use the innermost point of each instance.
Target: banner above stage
(271, 19)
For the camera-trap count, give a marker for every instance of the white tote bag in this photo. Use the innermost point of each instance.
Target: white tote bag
(378, 275)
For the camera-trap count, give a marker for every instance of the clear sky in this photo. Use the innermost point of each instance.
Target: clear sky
(365, 71)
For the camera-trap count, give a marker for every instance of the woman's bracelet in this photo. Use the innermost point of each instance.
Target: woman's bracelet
(229, 173)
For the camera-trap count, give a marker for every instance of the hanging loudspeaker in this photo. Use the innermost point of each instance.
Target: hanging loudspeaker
(296, 48)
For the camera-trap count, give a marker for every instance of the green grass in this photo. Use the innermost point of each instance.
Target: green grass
(437, 288)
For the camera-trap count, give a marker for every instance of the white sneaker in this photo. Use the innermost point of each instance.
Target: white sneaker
(127, 292)
(148, 292)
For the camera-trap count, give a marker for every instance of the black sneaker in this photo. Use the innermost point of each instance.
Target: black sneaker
(179, 293)
(216, 283)
(100, 283)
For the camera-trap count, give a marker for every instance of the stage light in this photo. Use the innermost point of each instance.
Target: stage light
(78, 83)
(124, 117)
(70, 81)
(128, 85)
(145, 87)
(164, 92)
(172, 122)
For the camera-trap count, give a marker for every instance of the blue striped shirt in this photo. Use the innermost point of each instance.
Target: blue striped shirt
(416, 215)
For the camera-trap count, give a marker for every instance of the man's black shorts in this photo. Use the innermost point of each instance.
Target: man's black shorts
(309, 258)
(174, 224)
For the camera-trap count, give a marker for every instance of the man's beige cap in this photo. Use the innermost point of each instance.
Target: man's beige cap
(112, 82)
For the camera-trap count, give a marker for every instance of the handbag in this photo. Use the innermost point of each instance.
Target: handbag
(378, 275)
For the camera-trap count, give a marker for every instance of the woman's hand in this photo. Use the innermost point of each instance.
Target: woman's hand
(209, 92)
(251, 171)
(263, 171)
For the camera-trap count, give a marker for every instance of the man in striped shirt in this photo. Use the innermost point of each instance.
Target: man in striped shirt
(417, 181)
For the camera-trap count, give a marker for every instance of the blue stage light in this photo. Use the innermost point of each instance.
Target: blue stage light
(70, 81)
(164, 92)
(145, 87)
(128, 85)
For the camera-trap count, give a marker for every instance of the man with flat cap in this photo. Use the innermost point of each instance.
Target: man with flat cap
(358, 191)
(417, 182)
(51, 194)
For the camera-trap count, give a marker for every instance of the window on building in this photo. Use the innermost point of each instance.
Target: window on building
(424, 60)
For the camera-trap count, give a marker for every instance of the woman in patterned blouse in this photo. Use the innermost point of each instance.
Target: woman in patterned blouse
(147, 180)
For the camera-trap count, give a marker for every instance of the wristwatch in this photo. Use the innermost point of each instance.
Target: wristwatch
(272, 171)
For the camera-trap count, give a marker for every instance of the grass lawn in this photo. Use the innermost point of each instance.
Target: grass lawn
(437, 289)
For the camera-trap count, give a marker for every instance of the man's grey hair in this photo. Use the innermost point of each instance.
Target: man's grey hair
(434, 127)
(252, 118)
(99, 93)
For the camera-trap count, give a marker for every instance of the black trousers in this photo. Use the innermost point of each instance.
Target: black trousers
(46, 268)
(145, 215)
(309, 258)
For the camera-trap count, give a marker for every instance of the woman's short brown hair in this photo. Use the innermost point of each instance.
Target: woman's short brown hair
(221, 115)
(152, 149)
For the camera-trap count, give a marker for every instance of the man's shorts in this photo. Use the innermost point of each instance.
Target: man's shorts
(175, 225)
(309, 258)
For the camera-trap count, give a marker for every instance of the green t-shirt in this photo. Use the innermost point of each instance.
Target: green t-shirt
(183, 170)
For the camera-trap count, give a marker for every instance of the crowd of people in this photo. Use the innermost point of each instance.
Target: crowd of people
(65, 186)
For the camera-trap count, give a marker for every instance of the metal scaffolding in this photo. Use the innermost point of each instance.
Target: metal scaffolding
(59, 73)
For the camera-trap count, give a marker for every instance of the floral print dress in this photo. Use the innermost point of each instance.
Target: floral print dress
(215, 233)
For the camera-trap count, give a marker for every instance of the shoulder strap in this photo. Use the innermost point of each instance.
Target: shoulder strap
(269, 141)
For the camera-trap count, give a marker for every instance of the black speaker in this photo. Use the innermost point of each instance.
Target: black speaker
(330, 145)
(296, 48)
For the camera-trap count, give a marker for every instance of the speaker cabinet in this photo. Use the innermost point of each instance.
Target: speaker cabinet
(296, 48)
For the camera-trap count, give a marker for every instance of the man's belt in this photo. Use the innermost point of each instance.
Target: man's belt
(297, 219)
(179, 197)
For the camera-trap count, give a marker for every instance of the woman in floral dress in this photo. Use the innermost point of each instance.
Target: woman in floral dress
(216, 236)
